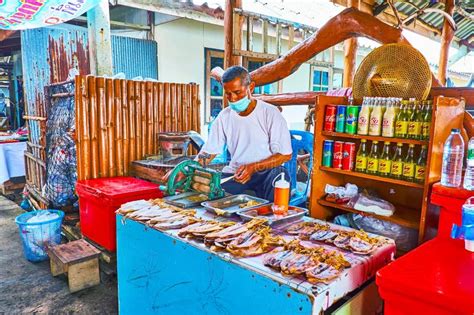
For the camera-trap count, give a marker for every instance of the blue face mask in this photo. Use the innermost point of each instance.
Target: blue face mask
(240, 105)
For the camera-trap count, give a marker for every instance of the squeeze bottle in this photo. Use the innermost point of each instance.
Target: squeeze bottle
(281, 196)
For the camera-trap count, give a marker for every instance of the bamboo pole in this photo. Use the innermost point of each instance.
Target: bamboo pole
(118, 126)
(138, 121)
(446, 38)
(161, 103)
(78, 138)
(85, 127)
(126, 126)
(167, 107)
(149, 117)
(156, 116)
(174, 109)
(111, 141)
(102, 107)
(93, 127)
(185, 105)
(143, 122)
(131, 122)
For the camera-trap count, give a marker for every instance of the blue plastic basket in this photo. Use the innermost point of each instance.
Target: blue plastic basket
(37, 235)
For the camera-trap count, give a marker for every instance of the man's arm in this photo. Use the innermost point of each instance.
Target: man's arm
(245, 172)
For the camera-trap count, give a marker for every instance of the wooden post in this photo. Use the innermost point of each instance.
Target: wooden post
(229, 59)
(350, 54)
(100, 45)
(446, 38)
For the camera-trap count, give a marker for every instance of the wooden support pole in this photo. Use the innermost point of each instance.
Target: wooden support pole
(229, 41)
(265, 36)
(446, 38)
(350, 54)
(278, 39)
(291, 36)
(249, 33)
(100, 45)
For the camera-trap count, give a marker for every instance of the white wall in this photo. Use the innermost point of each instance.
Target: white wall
(181, 58)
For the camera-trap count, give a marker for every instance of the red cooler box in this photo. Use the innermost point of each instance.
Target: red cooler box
(100, 198)
(437, 278)
(450, 201)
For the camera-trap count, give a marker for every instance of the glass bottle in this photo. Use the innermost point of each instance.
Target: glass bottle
(426, 126)
(361, 157)
(401, 125)
(420, 167)
(385, 161)
(397, 162)
(373, 159)
(408, 173)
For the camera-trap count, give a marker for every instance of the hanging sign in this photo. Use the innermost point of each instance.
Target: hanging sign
(24, 14)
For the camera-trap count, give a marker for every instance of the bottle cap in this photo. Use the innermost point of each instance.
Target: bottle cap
(282, 183)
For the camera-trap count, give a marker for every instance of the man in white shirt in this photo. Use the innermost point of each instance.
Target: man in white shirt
(256, 135)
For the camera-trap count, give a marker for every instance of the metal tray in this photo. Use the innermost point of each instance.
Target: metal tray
(183, 200)
(294, 214)
(230, 205)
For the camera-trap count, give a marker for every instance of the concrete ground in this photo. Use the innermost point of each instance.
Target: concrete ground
(27, 287)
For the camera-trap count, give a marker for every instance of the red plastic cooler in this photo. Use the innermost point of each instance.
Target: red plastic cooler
(100, 198)
(437, 278)
(450, 201)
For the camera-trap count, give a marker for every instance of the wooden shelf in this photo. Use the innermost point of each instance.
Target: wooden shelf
(403, 216)
(373, 138)
(372, 177)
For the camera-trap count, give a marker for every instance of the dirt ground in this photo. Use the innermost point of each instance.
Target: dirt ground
(27, 287)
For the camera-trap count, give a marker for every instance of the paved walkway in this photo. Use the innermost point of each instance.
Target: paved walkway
(27, 287)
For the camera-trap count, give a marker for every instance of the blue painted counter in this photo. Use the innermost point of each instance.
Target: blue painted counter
(160, 273)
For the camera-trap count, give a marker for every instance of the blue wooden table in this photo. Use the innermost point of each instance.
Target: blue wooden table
(161, 273)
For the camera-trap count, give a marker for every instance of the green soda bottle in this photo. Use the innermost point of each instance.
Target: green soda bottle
(420, 167)
(397, 162)
(401, 125)
(408, 173)
(385, 161)
(361, 157)
(426, 126)
(373, 160)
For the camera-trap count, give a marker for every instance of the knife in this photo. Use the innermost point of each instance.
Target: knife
(225, 180)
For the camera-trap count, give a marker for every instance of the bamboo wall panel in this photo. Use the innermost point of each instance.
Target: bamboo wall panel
(117, 121)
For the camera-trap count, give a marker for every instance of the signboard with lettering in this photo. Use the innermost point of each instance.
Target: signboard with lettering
(24, 14)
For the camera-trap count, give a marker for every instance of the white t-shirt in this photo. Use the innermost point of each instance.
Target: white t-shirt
(249, 138)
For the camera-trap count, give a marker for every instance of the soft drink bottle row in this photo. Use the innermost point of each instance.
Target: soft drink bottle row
(392, 164)
(381, 116)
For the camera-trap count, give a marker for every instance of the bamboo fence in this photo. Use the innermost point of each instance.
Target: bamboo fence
(118, 121)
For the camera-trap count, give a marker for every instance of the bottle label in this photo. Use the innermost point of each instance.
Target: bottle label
(385, 166)
(414, 128)
(470, 154)
(401, 128)
(425, 129)
(397, 167)
(420, 172)
(372, 164)
(361, 163)
(408, 170)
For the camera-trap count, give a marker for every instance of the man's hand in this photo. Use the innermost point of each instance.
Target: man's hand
(244, 173)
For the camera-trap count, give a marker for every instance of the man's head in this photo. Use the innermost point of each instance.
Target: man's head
(237, 84)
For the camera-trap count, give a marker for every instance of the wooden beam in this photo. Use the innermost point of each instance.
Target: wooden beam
(446, 38)
(350, 54)
(249, 33)
(228, 32)
(100, 44)
(265, 36)
(291, 37)
(278, 39)
(238, 22)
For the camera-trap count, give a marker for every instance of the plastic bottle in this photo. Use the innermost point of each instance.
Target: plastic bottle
(385, 161)
(373, 159)
(453, 154)
(397, 162)
(281, 196)
(363, 120)
(469, 174)
(408, 172)
(361, 157)
(420, 167)
(401, 125)
(375, 122)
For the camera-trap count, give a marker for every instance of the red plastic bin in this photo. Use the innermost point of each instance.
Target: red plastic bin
(100, 198)
(450, 200)
(436, 279)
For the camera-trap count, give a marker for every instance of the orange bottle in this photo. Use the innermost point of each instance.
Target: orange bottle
(281, 196)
